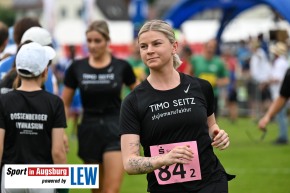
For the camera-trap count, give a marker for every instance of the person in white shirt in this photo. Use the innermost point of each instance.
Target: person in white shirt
(279, 68)
(260, 70)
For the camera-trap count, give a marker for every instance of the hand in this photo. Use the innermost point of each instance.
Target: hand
(179, 154)
(65, 141)
(263, 123)
(221, 140)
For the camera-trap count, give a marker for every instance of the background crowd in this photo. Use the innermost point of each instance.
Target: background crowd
(246, 81)
(246, 78)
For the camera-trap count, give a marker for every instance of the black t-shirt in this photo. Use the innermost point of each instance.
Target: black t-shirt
(285, 88)
(28, 119)
(171, 116)
(100, 89)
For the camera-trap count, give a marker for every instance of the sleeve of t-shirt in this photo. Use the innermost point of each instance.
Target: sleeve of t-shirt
(285, 91)
(208, 94)
(129, 76)
(70, 78)
(129, 120)
(59, 118)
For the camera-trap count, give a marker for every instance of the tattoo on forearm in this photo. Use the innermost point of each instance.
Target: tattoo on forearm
(142, 165)
(135, 147)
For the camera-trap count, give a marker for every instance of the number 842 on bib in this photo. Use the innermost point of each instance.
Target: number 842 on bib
(177, 173)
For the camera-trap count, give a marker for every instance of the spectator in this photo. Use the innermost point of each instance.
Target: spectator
(260, 72)
(140, 69)
(41, 36)
(136, 62)
(264, 44)
(278, 103)
(18, 30)
(244, 56)
(278, 70)
(185, 55)
(233, 69)
(210, 67)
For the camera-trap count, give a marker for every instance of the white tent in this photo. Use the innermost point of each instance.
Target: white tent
(73, 32)
(196, 31)
(202, 31)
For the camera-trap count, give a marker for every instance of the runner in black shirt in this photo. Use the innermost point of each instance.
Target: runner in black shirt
(171, 115)
(279, 103)
(32, 121)
(100, 78)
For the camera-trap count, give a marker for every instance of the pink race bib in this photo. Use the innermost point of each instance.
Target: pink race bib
(177, 173)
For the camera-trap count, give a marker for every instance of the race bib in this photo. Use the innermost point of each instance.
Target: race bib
(177, 173)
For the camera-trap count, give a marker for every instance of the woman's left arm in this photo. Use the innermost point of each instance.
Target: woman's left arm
(219, 137)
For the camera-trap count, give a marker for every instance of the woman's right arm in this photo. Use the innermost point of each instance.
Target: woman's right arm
(67, 97)
(136, 164)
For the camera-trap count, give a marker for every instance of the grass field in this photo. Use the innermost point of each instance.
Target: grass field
(259, 166)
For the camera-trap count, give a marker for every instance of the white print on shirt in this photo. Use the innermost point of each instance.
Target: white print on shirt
(24, 125)
(98, 78)
(186, 91)
(28, 116)
(111, 69)
(176, 103)
(165, 114)
(29, 128)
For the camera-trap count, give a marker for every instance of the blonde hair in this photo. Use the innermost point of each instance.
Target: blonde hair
(166, 29)
(101, 27)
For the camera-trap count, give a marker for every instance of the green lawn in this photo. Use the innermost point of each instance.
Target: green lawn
(260, 166)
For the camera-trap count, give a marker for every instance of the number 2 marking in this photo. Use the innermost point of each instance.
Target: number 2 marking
(193, 173)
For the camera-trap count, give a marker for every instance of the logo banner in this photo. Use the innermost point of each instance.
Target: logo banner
(51, 176)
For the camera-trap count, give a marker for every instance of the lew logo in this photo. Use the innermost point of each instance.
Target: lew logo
(84, 176)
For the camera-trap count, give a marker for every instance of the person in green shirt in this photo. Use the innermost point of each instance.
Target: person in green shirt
(210, 67)
(140, 70)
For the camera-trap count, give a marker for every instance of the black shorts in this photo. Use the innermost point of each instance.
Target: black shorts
(96, 136)
(266, 94)
(220, 186)
(257, 94)
(232, 96)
